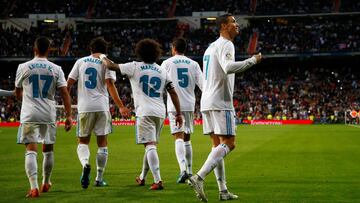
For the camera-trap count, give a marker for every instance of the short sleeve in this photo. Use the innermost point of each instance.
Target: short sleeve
(19, 77)
(109, 74)
(127, 68)
(74, 74)
(198, 76)
(61, 82)
(165, 66)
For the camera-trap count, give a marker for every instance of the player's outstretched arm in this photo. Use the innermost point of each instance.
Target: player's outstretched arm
(241, 66)
(125, 112)
(67, 104)
(109, 63)
(175, 100)
(6, 93)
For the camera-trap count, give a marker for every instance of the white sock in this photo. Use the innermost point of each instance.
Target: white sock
(48, 164)
(213, 159)
(145, 168)
(153, 160)
(188, 156)
(31, 168)
(219, 171)
(83, 154)
(180, 154)
(101, 160)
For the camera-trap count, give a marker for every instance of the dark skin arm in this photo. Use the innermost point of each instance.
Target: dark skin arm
(125, 112)
(110, 64)
(18, 93)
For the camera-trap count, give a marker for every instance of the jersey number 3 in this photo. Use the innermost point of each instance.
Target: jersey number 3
(91, 83)
(155, 84)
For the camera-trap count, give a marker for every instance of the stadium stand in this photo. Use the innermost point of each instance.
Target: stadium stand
(311, 48)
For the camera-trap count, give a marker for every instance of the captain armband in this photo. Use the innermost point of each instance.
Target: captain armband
(169, 86)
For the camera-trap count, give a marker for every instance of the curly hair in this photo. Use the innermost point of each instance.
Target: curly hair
(148, 50)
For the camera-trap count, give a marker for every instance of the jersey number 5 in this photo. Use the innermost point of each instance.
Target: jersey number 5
(155, 84)
(183, 77)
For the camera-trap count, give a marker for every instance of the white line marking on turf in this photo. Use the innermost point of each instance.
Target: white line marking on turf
(355, 126)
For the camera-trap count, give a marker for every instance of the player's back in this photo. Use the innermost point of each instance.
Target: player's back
(185, 75)
(92, 90)
(218, 86)
(39, 79)
(148, 84)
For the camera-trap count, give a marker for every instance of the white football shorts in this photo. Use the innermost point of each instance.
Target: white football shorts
(219, 122)
(98, 122)
(36, 133)
(148, 129)
(188, 122)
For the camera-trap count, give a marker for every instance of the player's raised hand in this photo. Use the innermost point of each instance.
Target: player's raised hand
(125, 112)
(108, 63)
(68, 124)
(258, 57)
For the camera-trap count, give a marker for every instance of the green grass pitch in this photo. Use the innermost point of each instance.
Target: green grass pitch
(317, 163)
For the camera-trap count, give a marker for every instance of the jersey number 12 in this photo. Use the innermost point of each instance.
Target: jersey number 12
(155, 84)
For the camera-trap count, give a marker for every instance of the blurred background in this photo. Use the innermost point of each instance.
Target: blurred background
(311, 48)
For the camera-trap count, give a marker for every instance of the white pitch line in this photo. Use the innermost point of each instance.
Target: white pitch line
(355, 126)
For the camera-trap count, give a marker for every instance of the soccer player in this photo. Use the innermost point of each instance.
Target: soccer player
(217, 107)
(93, 84)
(6, 93)
(185, 73)
(148, 82)
(36, 83)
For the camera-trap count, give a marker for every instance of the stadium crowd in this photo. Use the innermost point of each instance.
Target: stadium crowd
(315, 34)
(276, 36)
(165, 8)
(294, 92)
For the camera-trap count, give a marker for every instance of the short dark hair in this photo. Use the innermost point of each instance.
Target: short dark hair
(180, 45)
(42, 44)
(148, 50)
(223, 19)
(99, 45)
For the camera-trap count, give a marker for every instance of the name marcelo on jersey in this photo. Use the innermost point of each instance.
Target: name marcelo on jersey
(150, 67)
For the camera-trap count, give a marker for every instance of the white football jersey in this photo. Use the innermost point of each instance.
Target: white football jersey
(148, 82)
(218, 87)
(185, 74)
(39, 79)
(92, 90)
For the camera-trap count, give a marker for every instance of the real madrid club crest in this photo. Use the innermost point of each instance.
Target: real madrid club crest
(229, 56)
